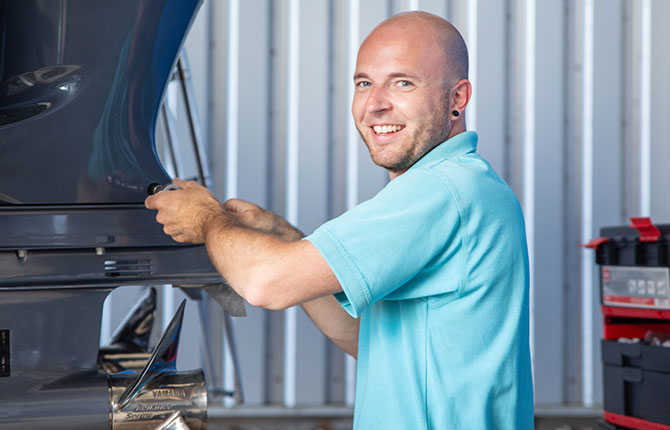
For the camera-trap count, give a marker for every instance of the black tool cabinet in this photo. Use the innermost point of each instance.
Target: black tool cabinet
(634, 268)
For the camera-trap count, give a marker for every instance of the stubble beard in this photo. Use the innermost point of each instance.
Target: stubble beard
(435, 131)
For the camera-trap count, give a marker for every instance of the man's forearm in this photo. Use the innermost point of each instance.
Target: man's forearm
(267, 271)
(325, 312)
(256, 264)
(340, 327)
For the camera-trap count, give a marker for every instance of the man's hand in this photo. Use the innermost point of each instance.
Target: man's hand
(253, 216)
(187, 213)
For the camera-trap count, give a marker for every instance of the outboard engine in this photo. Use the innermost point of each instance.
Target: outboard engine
(81, 83)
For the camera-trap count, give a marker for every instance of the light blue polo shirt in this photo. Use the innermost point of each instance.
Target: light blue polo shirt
(436, 267)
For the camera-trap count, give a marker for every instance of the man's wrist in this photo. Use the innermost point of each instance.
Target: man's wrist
(213, 221)
(287, 232)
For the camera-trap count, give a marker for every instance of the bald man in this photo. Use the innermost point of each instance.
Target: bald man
(426, 284)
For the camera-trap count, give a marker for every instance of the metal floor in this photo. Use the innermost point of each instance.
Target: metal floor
(566, 418)
(340, 418)
(279, 418)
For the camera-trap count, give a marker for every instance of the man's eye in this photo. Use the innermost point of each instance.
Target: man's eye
(404, 84)
(363, 84)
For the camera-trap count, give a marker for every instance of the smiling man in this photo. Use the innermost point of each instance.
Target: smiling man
(427, 282)
(403, 111)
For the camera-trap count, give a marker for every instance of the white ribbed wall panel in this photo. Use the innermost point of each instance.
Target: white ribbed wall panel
(587, 107)
(571, 104)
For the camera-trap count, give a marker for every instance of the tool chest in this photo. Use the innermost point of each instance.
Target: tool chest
(634, 271)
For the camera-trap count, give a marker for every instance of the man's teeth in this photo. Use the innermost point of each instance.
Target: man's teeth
(383, 129)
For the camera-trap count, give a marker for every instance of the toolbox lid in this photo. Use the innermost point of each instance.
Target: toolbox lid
(646, 229)
(642, 243)
(641, 228)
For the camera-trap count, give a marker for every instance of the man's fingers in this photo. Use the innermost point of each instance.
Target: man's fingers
(181, 238)
(238, 205)
(160, 200)
(186, 184)
(149, 202)
(173, 231)
(160, 218)
(183, 211)
(176, 236)
(231, 205)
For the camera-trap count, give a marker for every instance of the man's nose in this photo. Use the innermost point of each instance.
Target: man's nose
(378, 100)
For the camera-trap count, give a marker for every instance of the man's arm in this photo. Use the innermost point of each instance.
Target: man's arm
(325, 312)
(340, 327)
(259, 254)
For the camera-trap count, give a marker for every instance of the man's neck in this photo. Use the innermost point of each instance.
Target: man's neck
(457, 129)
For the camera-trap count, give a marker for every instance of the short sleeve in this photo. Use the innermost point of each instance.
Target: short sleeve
(377, 248)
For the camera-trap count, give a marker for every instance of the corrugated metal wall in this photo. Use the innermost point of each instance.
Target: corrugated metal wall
(572, 104)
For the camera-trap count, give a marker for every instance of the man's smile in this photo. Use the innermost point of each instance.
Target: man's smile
(385, 129)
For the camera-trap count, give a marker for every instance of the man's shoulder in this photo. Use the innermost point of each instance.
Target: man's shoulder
(468, 177)
(418, 181)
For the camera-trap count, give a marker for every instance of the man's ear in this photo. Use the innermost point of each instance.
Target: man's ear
(460, 95)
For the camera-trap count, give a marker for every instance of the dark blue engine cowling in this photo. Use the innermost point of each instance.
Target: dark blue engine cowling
(81, 83)
(80, 86)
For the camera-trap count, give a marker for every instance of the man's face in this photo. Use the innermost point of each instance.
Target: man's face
(400, 106)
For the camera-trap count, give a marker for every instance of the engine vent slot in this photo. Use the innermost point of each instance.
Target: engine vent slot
(128, 268)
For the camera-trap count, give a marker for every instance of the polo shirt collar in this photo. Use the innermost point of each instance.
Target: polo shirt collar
(461, 144)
